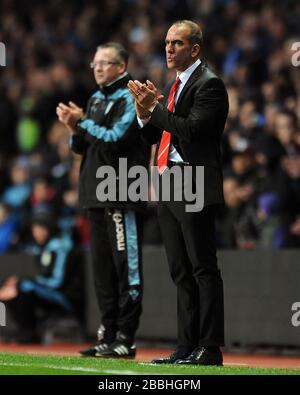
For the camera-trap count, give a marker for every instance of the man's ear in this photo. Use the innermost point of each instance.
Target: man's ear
(196, 50)
(122, 67)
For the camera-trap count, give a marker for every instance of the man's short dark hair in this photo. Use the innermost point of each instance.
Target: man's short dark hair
(122, 54)
(290, 114)
(195, 36)
(46, 220)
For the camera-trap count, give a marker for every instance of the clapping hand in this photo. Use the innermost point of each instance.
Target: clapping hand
(69, 115)
(146, 97)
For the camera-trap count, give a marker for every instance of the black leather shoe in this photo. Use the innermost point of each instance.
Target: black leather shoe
(122, 347)
(203, 356)
(94, 349)
(178, 354)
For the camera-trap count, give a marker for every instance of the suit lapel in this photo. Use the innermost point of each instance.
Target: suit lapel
(195, 76)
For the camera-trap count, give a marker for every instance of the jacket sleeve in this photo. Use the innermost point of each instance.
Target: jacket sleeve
(124, 118)
(78, 143)
(150, 134)
(210, 102)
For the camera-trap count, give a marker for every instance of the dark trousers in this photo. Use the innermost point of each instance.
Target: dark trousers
(29, 310)
(189, 240)
(117, 263)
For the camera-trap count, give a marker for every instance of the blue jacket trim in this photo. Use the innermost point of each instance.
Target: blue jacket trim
(132, 248)
(61, 247)
(51, 295)
(120, 127)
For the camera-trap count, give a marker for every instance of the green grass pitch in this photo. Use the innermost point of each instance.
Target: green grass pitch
(29, 364)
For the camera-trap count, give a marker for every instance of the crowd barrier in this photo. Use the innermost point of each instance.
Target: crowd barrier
(262, 296)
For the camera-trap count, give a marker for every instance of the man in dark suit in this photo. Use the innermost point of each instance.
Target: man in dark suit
(188, 127)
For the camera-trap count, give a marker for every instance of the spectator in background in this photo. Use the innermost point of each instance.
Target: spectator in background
(42, 198)
(270, 232)
(16, 195)
(106, 133)
(285, 126)
(56, 290)
(8, 228)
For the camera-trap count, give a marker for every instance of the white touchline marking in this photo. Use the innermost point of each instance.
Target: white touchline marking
(123, 372)
(49, 366)
(79, 369)
(112, 371)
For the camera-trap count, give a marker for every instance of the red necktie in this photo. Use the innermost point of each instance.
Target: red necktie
(164, 145)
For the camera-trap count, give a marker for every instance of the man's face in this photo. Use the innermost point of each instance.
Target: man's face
(40, 233)
(284, 128)
(180, 53)
(107, 66)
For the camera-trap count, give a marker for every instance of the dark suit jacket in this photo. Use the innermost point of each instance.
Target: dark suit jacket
(196, 127)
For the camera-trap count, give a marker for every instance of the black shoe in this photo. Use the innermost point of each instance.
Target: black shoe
(122, 347)
(93, 350)
(178, 354)
(203, 356)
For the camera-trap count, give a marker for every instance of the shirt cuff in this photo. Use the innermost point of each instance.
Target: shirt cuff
(143, 122)
(153, 106)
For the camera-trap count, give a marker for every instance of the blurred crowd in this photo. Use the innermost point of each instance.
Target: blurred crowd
(248, 42)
